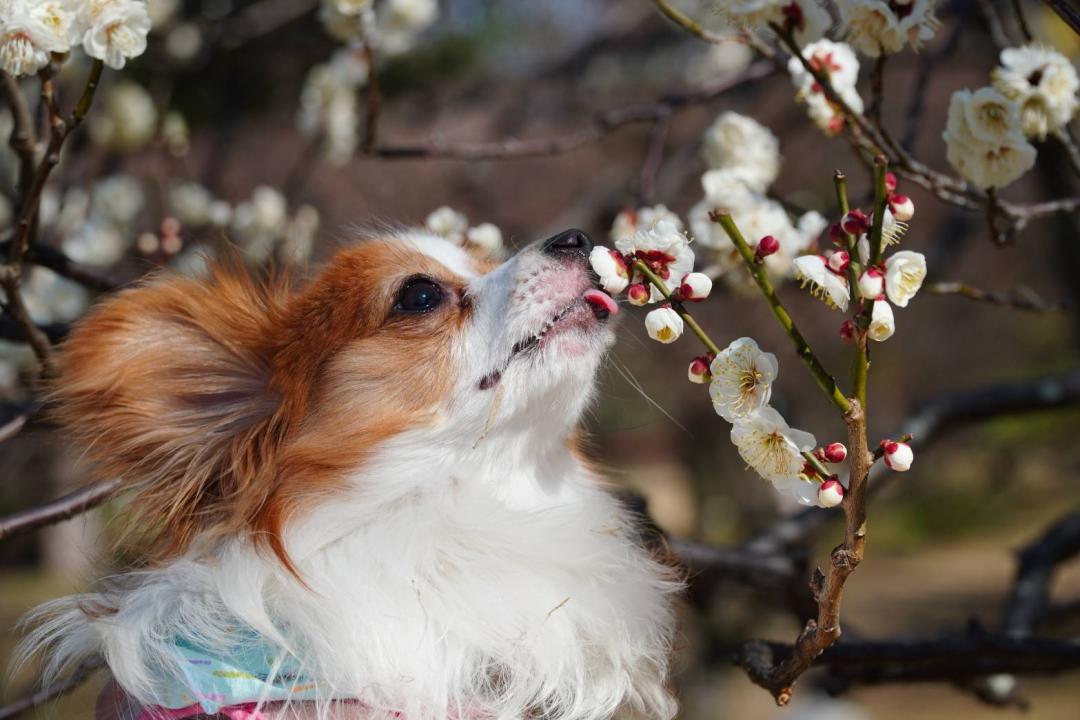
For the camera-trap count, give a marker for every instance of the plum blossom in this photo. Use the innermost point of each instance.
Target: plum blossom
(807, 20)
(113, 30)
(328, 104)
(984, 140)
(29, 32)
(904, 275)
(664, 325)
(738, 141)
(628, 221)
(484, 240)
(774, 450)
(898, 456)
(882, 324)
(830, 493)
(448, 223)
(838, 62)
(831, 287)
(742, 378)
(1043, 83)
(875, 27)
(695, 286)
(665, 249)
(127, 118)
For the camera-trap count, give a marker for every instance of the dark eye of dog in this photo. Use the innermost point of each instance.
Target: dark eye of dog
(419, 295)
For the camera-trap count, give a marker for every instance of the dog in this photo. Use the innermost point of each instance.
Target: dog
(363, 497)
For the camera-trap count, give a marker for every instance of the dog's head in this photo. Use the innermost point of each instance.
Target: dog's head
(231, 404)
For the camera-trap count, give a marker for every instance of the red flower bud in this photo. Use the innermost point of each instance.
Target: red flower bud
(766, 246)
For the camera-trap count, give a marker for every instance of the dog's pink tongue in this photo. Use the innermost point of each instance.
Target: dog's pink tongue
(600, 299)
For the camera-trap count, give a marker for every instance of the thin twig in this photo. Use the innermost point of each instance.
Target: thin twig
(1023, 298)
(1067, 12)
(1030, 596)
(63, 508)
(374, 99)
(72, 682)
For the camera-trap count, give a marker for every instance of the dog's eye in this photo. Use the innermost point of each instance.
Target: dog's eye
(418, 296)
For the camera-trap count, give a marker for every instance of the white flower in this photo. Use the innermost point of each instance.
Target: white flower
(871, 283)
(807, 19)
(838, 62)
(118, 199)
(328, 104)
(612, 269)
(485, 239)
(400, 22)
(96, 242)
(664, 325)
(629, 221)
(735, 140)
(772, 448)
(904, 275)
(271, 208)
(190, 203)
(877, 26)
(448, 223)
(696, 286)
(830, 493)
(882, 325)
(971, 143)
(128, 118)
(824, 283)
(1043, 83)
(114, 30)
(665, 249)
(29, 32)
(742, 378)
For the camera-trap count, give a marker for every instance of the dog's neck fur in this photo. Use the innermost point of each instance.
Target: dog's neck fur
(444, 592)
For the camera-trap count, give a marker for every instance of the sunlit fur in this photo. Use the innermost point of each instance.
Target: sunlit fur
(334, 476)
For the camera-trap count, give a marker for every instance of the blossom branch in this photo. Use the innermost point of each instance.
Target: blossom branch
(677, 306)
(824, 380)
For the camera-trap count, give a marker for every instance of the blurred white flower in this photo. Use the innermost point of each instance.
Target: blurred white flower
(118, 199)
(328, 104)
(876, 26)
(184, 42)
(983, 139)
(299, 243)
(51, 298)
(259, 223)
(838, 62)
(271, 208)
(162, 12)
(882, 323)
(742, 378)
(174, 131)
(29, 32)
(127, 117)
(190, 202)
(831, 287)
(807, 19)
(735, 140)
(400, 22)
(904, 275)
(96, 242)
(1043, 83)
(629, 221)
(664, 325)
(772, 448)
(448, 223)
(346, 26)
(113, 30)
(665, 249)
(486, 240)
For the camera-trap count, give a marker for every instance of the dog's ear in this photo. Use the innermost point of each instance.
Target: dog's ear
(168, 387)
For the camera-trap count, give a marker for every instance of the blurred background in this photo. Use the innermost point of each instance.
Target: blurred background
(240, 127)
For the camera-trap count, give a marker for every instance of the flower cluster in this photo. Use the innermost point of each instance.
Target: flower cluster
(838, 63)
(1043, 83)
(31, 31)
(393, 25)
(329, 101)
(984, 140)
(484, 240)
(806, 20)
(744, 160)
(877, 27)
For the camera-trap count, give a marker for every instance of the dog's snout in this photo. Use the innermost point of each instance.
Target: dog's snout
(569, 241)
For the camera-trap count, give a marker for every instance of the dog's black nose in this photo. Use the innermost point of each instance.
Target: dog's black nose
(569, 241)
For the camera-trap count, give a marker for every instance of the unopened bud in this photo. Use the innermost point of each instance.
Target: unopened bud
(834, 452)
(847, 331)
(698, 372)
(872, 283)
(664, 325)
(890, 178)
(637, 294)
(903, 209)
(696, 286)
(855, 222)
(831, 492)
(766, 246)
(838, 261)
(836, 234)
(898, 455)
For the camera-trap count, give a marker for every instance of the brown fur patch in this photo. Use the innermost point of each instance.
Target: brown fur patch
(231, 404)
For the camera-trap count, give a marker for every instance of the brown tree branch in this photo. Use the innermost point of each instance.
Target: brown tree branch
(1023, 298)
(1030, 596)
(35, 699)
(63, 508)
(1067, 12)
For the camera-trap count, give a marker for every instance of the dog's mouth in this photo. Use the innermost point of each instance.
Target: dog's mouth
(596, 302)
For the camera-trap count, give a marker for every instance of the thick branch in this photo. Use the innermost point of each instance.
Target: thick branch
(1030, 595)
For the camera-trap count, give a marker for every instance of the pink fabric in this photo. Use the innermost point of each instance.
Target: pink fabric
(247, 711)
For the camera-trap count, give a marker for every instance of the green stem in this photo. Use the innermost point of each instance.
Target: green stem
(816, 464)
(850, 242)
(881, 198)
(677, 305)
(806, 354)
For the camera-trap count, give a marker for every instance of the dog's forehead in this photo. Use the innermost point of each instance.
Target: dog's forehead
(448, 254)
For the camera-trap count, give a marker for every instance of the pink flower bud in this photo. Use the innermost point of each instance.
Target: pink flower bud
(890, 178)
(855, 222)
(766, 246)
(696, 286)
(838, 262)
(836, 234)
(834, 452)
(872, 283)
(898, 455)
(831, 492)
(698, 371)
(847, 331)
(902, 207)
(637, 294)
(170, 226)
